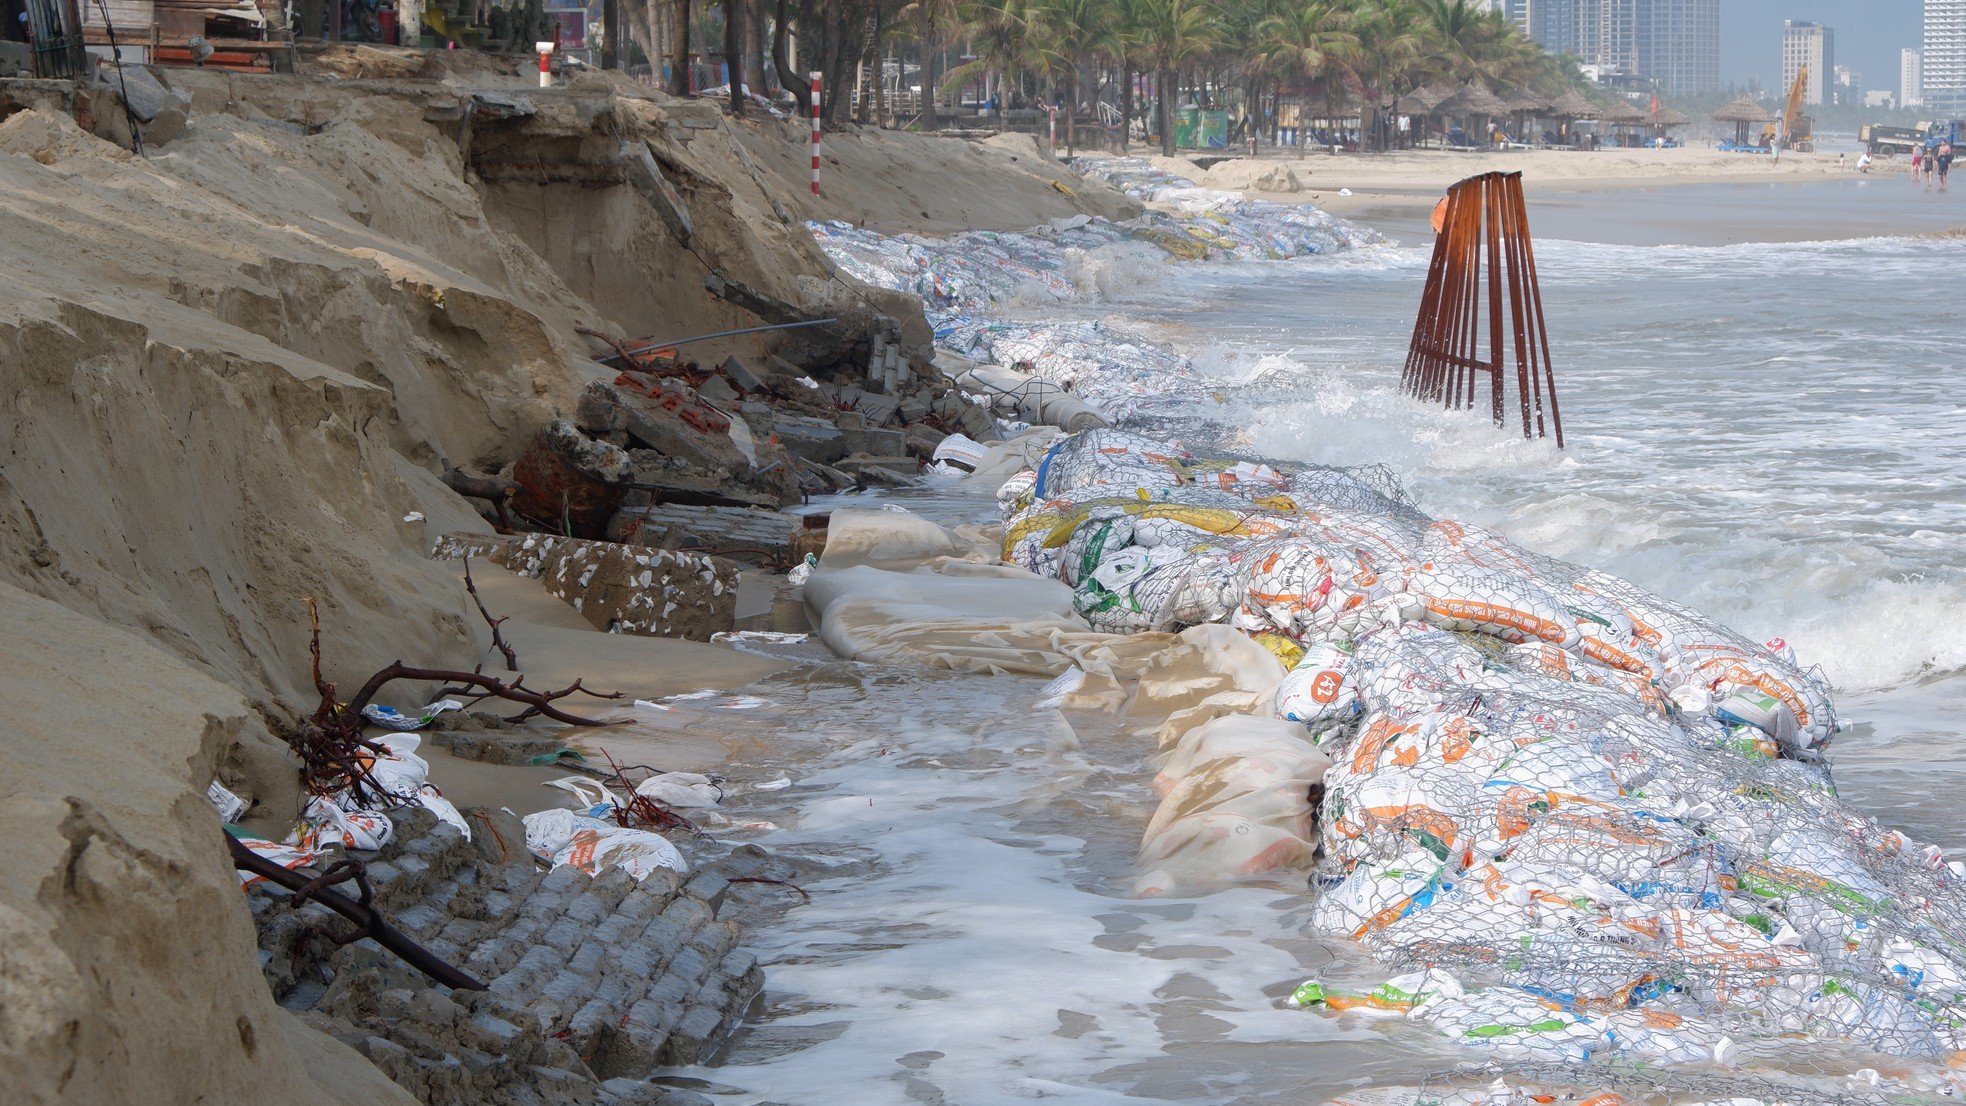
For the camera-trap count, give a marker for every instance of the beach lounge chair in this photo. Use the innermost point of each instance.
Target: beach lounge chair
(1457, 139)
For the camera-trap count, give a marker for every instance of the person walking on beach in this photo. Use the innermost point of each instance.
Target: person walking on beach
(1917, 165)
(1944, 163)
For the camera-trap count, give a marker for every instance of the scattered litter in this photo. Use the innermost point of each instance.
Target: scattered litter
(779, 784)
(802, 571)
(323, 824)
(389, 718)
(650, 704)
(230, 807)
(1057, 691)
(413, 516)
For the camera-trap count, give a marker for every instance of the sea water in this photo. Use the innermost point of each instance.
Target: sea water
(1763, 428)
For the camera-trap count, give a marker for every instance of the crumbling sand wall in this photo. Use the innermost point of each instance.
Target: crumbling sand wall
(122, 982)
(234, 367)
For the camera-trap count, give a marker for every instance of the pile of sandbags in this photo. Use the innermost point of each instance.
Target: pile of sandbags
(1598, 822)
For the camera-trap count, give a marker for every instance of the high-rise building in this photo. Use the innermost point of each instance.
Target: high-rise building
(1812, 45)
(1679, 44)
(1942, 63)
(1911, 83)
(1675, 43)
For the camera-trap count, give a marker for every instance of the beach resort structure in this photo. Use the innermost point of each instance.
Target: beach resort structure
(1675, 43)
(1811, 46)
(1942, 62)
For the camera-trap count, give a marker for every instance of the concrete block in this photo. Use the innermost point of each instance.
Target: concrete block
(813, 439)
(620, 589)
(874, 443)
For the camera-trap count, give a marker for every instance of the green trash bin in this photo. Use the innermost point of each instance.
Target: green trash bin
(1187, 127)
(1214, 130)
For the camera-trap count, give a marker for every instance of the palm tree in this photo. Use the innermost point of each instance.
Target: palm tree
(1311, 41)
(1080, 31)
(1394, 56)
(1174, 33)
(1009, 38)
(931, 17)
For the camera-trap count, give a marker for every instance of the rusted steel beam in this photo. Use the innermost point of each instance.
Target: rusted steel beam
(1481, 311)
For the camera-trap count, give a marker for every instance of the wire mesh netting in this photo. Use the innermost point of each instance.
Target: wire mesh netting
(1575, 821)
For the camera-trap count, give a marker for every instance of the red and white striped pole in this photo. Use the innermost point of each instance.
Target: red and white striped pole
(815, 133)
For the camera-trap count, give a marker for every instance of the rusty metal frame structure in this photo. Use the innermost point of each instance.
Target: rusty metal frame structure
(1482, 252)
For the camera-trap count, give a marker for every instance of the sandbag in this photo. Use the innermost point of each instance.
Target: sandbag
(564, 838)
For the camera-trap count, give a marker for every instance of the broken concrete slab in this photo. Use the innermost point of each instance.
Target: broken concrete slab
(873, 443)
(754, 536)
(617, 588)
(813, 439)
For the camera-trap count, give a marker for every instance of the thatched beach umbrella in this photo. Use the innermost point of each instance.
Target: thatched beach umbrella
(1573, 105)
(1474, 102)
(1424, 102)
(1522, 103)
(1742, 111)
(1622, 115)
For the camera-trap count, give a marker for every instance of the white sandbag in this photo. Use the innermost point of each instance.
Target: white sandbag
(961, 449)
(289, 857)
(323, 824)
(1319, 689)
(1240, 808)
(857, 535)
(568, 839)
(685, 790)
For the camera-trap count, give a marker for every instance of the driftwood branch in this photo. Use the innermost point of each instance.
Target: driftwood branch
(335, 756)
(538, 702)
(498, 641)
(472, 485)
(369, 922)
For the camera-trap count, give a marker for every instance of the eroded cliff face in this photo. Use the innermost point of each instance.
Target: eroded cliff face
(234, 369)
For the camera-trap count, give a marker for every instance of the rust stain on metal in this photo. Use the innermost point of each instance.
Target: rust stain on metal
(1482, 253)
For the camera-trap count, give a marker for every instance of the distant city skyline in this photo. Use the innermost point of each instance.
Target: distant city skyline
(1870, 35)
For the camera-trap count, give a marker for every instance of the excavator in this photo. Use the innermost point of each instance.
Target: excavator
(1795, 126)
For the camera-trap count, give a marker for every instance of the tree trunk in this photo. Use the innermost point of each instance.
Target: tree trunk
(1164, 87)
(734, 53)
(880, 66)
(799, 86)
(925, 11)
(1071, 111)
(1126, 106)
(679, 76)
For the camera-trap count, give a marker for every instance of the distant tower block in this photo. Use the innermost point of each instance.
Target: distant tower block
(1484, 215)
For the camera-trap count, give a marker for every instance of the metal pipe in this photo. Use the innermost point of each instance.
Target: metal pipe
(719, 334)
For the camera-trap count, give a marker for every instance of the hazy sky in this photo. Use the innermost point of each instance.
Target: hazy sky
(1869, 34)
